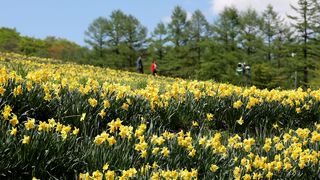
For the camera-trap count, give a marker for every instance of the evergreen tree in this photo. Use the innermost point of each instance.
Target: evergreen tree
(227, 28)
(178, 27)
(281, 47)
(277, 50)
(304, 22)
(271, 28)
(199, 29)
(178, 36)
(115, 30)
(134, 38)
(158, 40)
(223, 55)
(251, 35)
(96, 36)
(119, 38)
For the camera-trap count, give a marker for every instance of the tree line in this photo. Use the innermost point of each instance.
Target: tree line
(280, 53)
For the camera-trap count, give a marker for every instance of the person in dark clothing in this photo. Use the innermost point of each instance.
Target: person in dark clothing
(139, 65)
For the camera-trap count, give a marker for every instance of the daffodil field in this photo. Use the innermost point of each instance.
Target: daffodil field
(69, 121)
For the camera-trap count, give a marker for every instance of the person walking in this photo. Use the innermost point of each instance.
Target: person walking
(139, 65)
(154, 67)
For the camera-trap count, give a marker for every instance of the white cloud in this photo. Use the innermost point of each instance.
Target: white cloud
(280, 6)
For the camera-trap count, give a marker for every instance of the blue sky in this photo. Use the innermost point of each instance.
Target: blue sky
(70, 18)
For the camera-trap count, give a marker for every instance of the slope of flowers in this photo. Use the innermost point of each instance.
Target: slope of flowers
(178, 101)
(68, 121)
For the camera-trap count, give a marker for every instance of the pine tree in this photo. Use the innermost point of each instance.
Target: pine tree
(159, 38)
(271, 28)
(96, 36)
(115, 30)
(178, 36)
(227, 28)
(178, 27)
(134, 38)
(198, 29)
(120, 37)
(251, 35)
(304, 24)
(224, 52)
(277, 37)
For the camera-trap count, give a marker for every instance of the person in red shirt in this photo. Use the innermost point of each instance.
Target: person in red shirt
(154, 67)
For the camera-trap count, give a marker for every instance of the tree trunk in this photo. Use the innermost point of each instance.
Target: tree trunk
(160, 54)
(305, 76)
(305, 51)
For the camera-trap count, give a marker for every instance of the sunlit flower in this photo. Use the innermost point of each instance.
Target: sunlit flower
(214, 167)
(240, 121)
(2, 90)
(26, 139)
(93, 102)
(14, 121)
(105, 167)
(106, 104)
(125, 106)
(111, 140)
(237, 104)
(6, 112)
(83, 116)
(102, 113)
(209, 116)
(17, 91)
(30, 124)
(110, 175)
(165, 152)
(75, 131)
(298, 110)
(275, 126)
(97, 175)
(195, 124)
(13, 131)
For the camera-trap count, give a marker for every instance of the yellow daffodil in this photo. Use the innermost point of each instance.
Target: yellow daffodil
(75, 131)
(13, 131)
(106, 104)
(209, 116)
(26, 139)
(83, 116)
(6, 112)
(14, 121)
(17, 91)
(195, 124)
(214, 168)
(237, 104)
(105, 167)
(93, 102)
(240, 121)
(125, 106)
(110, 175)
(30, 124)
(165, 152)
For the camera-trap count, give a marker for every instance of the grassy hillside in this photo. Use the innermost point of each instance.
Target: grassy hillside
(68, 121)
